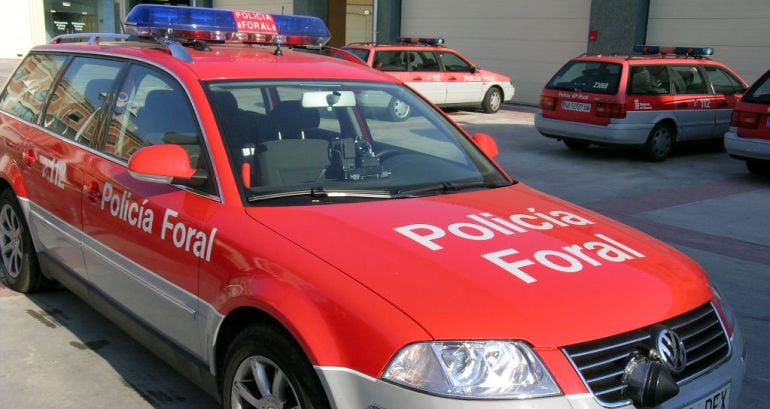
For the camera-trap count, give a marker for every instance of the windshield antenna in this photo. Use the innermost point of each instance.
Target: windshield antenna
(278, 52)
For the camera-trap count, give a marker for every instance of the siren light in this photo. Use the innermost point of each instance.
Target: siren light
(217, 25)
(691, 51)
(421, 40)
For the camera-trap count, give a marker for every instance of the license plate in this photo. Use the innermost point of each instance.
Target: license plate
(576, 106)
(719, 399)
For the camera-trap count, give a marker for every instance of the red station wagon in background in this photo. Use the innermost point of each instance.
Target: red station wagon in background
(650, 102)
(243, 213)
(442, 75)
(749, 135)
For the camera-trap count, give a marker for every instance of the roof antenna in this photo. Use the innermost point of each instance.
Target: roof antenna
(278, 52)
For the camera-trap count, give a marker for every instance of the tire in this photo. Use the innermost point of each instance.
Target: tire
(18, 260)
(660, 143)
(492, 100)
(398, 110)
(269, 354)
(758, 167)
(576, 145)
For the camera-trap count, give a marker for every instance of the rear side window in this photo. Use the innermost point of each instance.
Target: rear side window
(687, 79)
(423, 61)
(649, 80)
(27, 90)
(759, 93)
(76, 105)
(390, 61)
(724, 82)
(587, 76)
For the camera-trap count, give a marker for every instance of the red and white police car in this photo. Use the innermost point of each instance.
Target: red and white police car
(650, 101)
(240, 211)
(749, 136)
(442, 75)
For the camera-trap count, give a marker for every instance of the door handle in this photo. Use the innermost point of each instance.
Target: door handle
(417, 78)
(682, 105)
(28, 157)
(452, 78)
(92, 192)
(722, 104)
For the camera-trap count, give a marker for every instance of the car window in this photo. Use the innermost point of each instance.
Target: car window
(75, 110)
(587, 76)
(423, 61)
(687, 79)
(361, 53)
(453, 63)
(338, 136)
(28, 88)
(390, 61)
(723, 82)
(760, 91)
(649, 80)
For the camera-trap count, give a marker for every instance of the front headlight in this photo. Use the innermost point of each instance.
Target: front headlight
(473, 370)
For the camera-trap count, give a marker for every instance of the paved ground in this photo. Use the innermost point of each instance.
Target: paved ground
(57, 352)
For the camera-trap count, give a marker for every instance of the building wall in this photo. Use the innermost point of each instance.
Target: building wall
(739, 30)
(527, 40)
(619, 25)
(23, 22)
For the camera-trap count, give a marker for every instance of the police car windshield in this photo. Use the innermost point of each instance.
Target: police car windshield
(295, 136)
(587, 76)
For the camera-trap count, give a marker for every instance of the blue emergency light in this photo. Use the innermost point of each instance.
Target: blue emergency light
(691, 51)
(217, 25)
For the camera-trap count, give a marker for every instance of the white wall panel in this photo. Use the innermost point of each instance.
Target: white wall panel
(17, 28)
(739, 30)
(528, 40)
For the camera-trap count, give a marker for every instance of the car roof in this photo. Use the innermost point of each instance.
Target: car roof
(647, 59)
(397, 46)
(233, 62)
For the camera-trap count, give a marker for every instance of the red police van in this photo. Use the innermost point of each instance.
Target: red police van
(652, 101)
(245, 213)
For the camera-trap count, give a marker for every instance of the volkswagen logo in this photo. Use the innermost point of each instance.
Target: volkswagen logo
(670, 348)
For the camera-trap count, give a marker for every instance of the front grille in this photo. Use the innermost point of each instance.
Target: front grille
(602, 363)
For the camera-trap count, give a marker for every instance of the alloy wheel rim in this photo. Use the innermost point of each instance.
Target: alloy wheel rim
(401, 109)
(260, 384)
(494, 101)
(661, 141)
(11, 241)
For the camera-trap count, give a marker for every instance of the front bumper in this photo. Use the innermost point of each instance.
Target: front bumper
(627, 134)
(349, 389)
(746, 148)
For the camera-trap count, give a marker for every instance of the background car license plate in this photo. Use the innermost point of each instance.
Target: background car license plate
(719, 399)
(576, 106)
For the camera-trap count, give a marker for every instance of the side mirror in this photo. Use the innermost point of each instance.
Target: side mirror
(165, 164)
(474, 69)
(486, 144)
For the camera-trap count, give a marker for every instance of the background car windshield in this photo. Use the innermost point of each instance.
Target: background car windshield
(289, 136)
(587, 76)
(759, 93)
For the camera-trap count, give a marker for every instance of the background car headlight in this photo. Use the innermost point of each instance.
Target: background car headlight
(473, 370)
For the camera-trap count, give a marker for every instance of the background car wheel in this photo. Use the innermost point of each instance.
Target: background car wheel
(398, 110)
(758, 167)
(577, 145)
(266, 369)
(659, 143)
(21, 271)
(492, 100)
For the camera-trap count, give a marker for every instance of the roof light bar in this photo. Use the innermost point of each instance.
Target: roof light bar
(421, 40)
(217, 25)
(691, 51)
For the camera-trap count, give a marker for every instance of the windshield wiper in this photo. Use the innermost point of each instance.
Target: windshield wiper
(446, 187)
(319, 192)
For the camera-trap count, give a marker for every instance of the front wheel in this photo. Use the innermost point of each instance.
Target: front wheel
(492, 100)
(20, 268)
(264, 368)
(660, 143)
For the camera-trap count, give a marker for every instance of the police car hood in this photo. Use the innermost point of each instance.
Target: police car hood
(505, 263)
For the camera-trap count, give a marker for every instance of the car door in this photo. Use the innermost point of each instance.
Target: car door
(426, 77)
(727, 89)
(55, 156)
(144, 241)
(692, 103)
(463, 85)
